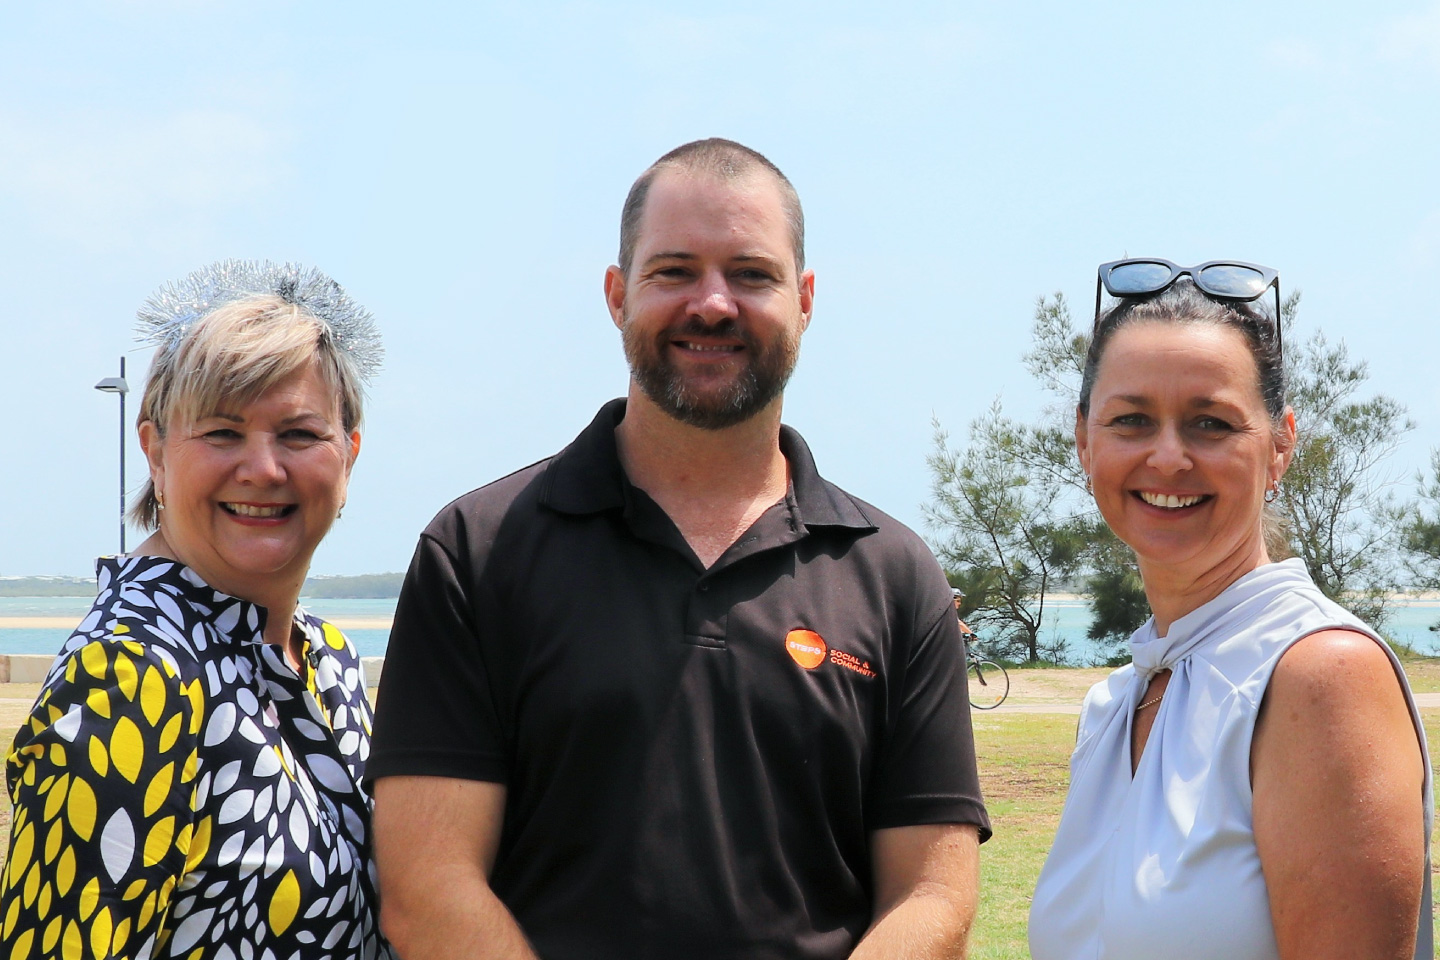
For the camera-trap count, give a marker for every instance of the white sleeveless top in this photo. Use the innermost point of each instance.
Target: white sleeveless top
(1165, 865)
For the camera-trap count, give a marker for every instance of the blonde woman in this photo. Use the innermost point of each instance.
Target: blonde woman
(189, 781)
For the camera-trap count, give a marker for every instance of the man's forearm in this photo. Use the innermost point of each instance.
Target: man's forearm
(454, 917)
(926, 883)
(923, 926)
(435, 843)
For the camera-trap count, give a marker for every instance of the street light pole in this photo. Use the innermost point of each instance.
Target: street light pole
(119, 386)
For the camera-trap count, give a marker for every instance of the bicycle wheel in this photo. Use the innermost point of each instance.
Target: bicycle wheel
(989, 684)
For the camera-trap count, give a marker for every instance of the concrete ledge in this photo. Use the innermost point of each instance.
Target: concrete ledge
(24, 667)
(373, 666)
(32, 667)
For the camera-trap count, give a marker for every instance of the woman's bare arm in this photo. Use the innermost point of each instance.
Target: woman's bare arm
(1337, 776)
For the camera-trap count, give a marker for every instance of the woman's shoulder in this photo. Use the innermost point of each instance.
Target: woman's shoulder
(110, 685)
(1328, 671)
(1265, 627)
(156, 612)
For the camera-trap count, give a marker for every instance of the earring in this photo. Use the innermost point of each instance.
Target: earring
(160, 499)
(341, 512)
(1273, 494)
(1089, 487)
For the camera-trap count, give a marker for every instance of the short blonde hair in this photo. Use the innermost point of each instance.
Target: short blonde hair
(228, 359)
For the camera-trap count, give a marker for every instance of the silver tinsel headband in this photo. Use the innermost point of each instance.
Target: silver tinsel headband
(171, 311)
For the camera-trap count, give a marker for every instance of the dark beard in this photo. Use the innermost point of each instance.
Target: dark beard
(762, 380)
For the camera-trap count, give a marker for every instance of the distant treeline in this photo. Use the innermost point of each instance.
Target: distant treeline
(367, 586)
(364, 587)
(47, 586)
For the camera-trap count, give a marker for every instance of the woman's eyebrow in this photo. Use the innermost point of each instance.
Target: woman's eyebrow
(308, 415)
(1134, 399)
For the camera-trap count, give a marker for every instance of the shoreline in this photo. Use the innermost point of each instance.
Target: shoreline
(69, 623)
(1416, 600)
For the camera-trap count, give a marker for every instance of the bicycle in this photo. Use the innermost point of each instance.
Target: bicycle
(989, 683)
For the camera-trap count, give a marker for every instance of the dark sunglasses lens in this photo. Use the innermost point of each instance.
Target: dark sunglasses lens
(1232, 280)
(1129, 279)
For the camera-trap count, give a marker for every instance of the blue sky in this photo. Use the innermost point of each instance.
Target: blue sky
(460, 169)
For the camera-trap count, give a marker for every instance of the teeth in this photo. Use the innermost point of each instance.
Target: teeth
(710, 348)
(246, 510)
(1169, 500)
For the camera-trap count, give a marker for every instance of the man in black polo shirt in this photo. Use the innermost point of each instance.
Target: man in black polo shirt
(670, 693)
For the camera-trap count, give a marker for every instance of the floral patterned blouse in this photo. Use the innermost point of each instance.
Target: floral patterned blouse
(180, 791)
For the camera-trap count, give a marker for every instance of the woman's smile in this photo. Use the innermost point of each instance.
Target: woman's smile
(253, 512)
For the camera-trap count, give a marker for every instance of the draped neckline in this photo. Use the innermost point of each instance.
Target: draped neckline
(1209, 622)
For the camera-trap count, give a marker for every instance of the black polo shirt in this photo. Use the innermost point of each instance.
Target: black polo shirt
(694, 758)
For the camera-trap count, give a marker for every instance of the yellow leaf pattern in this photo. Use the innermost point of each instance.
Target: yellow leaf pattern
(284, 903)
(159, 788)
(176, 734)
(152, 698)
(125, 677)
(127, 749)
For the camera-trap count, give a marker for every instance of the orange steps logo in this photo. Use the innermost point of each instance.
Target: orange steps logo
(806, 647)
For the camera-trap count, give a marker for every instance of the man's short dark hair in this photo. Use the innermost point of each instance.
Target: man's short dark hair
(717, 157)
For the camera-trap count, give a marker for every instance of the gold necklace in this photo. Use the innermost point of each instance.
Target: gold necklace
(1150, 703)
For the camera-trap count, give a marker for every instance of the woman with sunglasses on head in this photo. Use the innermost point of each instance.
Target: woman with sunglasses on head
(1255, 783)
(188, 783)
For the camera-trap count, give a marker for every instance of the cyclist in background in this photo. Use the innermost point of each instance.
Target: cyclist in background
(965, 630)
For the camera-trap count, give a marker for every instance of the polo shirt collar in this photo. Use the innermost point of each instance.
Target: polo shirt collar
(818, 502)
(586, 477)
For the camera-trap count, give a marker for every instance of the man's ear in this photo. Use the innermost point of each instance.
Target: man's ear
(615, 294)
(807, 298)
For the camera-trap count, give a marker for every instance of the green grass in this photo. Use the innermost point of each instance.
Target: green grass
(1024, 771)
(1423, 674)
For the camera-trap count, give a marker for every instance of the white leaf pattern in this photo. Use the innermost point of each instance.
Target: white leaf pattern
(225, 779)
(68, 726)
(190, 931)
(236, 806)
(329, 773)
(117, 845)
(254, 857)
(220, 725)
(230, 849)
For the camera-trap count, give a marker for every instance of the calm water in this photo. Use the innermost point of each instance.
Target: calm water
(370, 643)
(1410, 623)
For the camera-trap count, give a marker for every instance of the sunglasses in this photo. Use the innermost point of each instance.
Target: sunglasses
(1222, 279)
